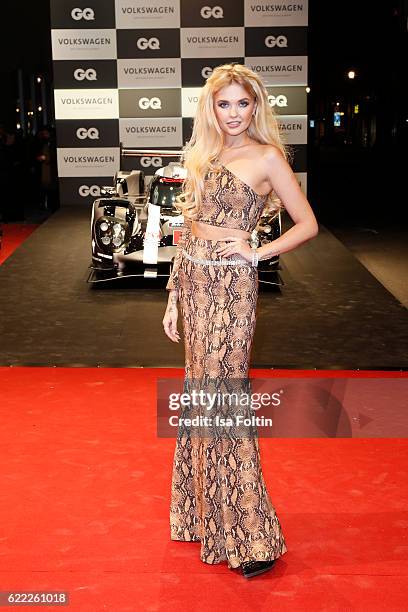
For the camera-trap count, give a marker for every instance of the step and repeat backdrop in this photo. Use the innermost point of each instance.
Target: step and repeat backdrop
(130, 72)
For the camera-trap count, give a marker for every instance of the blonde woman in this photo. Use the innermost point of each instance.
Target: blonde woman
(236, 165)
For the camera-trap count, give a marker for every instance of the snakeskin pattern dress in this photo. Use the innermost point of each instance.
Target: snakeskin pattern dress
(218, 492)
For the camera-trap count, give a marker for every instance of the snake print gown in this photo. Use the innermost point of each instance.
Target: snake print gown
(218, 492)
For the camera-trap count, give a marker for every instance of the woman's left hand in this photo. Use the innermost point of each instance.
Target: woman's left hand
(235, 245)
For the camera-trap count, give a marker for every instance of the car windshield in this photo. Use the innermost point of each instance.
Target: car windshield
(164, 194)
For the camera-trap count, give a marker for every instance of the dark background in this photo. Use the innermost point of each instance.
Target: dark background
(356, 171)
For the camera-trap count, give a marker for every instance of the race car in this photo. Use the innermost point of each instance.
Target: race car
(135, 228)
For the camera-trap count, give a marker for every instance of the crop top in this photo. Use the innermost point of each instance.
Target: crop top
(227, 202)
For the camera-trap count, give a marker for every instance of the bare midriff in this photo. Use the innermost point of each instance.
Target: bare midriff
(214, 232)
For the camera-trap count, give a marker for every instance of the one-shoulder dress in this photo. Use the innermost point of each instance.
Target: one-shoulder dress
(218, 492)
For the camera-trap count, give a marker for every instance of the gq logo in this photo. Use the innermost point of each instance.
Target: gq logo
(216, 12)
(153, 103)
(206, 72)
(276, 41)
(148, 43)
(87, 14)
(85, 191)
(91, 133)
(280, 100)
(80, 74)
(145, 162)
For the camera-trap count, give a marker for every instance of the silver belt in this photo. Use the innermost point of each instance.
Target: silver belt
(217, 262)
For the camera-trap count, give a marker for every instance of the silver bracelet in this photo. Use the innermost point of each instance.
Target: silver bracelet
(255, 258)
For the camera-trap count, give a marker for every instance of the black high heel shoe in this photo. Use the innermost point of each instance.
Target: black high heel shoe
(253, 568)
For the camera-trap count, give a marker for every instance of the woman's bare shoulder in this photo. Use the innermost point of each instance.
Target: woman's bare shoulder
(269, 152)
(265, 153)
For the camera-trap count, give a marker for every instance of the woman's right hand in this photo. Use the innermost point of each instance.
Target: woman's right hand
(170, 320)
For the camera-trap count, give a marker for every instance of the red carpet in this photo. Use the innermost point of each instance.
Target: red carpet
(85, 495)
(14, 234)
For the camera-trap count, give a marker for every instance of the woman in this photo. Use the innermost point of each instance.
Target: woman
(236, 165)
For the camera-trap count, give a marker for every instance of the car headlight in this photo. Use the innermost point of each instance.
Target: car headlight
(112, 234)
(117, 241)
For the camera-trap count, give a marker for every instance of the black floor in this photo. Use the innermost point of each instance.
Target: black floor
(331, 313)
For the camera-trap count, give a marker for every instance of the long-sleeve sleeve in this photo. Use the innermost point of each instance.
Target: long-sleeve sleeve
(173, 279)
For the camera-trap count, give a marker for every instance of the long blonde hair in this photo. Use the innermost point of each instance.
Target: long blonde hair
(207, 139)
